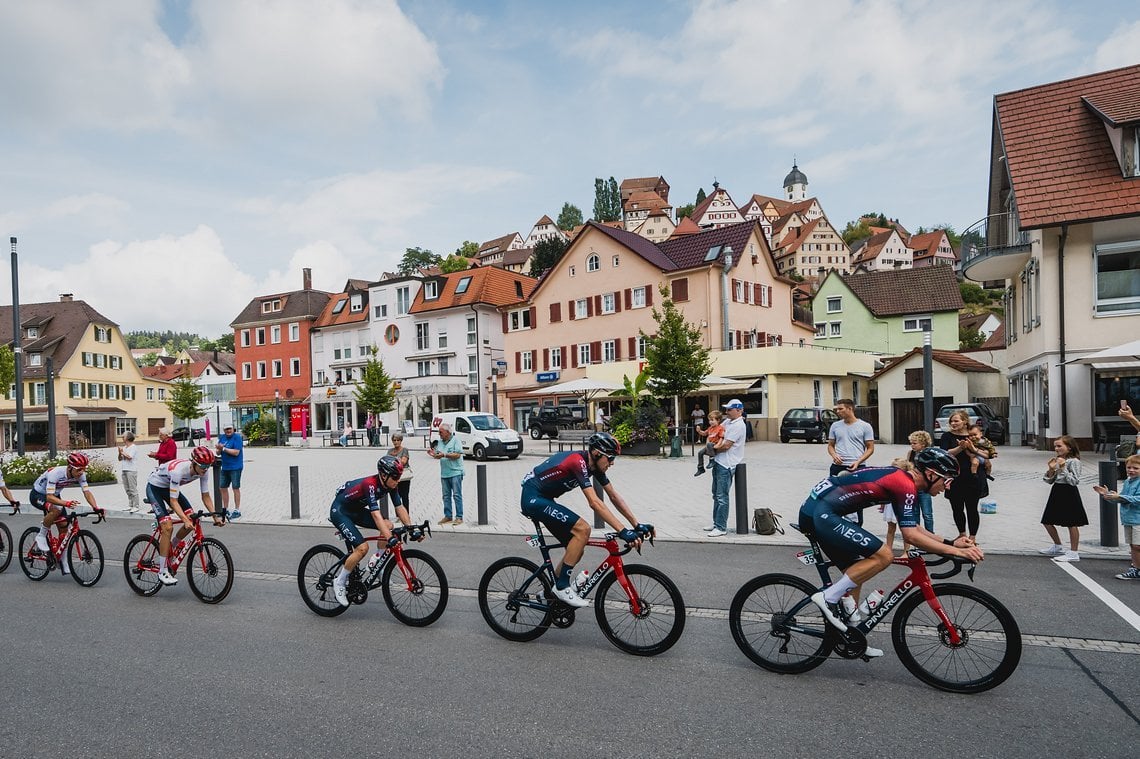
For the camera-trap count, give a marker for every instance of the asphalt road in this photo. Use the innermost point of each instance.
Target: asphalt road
(103, 672)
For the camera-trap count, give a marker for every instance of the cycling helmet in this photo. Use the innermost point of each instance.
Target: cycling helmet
(605, 443)
(78, 460)
(389, 466)
(937, 461)
(202, 456)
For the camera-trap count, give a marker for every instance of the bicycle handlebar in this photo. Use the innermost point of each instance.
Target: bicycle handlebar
(402, 532)
(958, 563)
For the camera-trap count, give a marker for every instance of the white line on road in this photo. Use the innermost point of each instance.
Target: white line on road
(1098, 590)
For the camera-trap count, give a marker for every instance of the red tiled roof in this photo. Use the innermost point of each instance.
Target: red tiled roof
(952, 359)
(872, 245)
(1059, 157)
(489, 284)
(499, 244)
(894, 292)
(170, 372)
(686, 226)
(345, 316)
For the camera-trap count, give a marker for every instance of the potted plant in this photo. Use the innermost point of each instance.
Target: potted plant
(639, 424)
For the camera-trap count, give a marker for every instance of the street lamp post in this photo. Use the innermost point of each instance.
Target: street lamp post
(277, 414)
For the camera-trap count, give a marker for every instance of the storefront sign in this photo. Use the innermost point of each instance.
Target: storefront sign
(547, 376)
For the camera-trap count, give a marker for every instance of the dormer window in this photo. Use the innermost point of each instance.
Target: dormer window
(431, 290)
(270, 306)
(33, 333)
(35, 359)
(357, 303)
(1131, 150)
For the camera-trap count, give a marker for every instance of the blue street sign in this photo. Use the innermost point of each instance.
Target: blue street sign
(546, 376)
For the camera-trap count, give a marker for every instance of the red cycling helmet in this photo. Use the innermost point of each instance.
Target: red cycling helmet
(202, 456)
(78, 460)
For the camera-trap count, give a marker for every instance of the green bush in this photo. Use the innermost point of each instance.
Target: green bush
(22, 471)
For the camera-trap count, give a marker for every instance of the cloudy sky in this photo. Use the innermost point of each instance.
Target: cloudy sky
(167, 161)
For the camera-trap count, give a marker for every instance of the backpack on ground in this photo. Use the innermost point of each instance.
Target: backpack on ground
(766, 522)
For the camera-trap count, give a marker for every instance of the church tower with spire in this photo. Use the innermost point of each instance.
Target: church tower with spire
(795, 184)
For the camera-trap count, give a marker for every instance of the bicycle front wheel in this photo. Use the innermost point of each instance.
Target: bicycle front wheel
(656, 623)
(769, 634)
(315, 575)
(988, 649)
(32, 562)
(505, 588)
(419, 599)
(140, 565)
(85, 555)
(6, 547)
(210, 570)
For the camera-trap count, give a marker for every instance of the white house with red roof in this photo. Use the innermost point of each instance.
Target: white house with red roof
(544, 229)
(716, 210)
(881, 251)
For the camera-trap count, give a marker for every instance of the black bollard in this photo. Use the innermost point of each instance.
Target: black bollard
(295, 493)
(741, 483)
(1109, 514)
(481, 483)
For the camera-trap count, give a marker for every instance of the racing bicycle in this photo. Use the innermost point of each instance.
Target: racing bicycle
(209, 566)
(6, 539)
(638, 608)
(951, 636)
(412, 582)
(83, 550)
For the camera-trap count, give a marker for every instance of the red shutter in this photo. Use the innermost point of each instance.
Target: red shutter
(633, 347)
(596, 352)
(555, 312)
(506, 324)
(739, 337)
(518, 362)
(681, 289)
(617, 302)
(589, 307)
(628, 298)
(617, 349)
(761, 339)
(757, 290)
(533, 317)
(574, 356)
(573, 312)
(649, 295)
(565, 357)
(732, 289)
(545, 359)
(597, 304)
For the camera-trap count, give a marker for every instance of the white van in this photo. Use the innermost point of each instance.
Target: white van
(480, 434)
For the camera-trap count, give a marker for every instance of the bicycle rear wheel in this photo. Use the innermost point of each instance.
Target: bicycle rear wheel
(660, 618)
(140, 565)
(766, 631)
(315, 575)
(988, 651)
(85, 555)
(210, 570)
(504, 587)
(35, 565)
(420, 599)
(6, 547)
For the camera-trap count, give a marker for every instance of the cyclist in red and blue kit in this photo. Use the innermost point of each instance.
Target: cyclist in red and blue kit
(357, 504)
(562, 473)
(859, 553)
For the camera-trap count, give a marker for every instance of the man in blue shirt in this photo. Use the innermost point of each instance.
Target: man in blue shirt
(231, 452)
(449, 452)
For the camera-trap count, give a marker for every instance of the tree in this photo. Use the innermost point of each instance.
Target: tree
(607, 200)
(570, 217)
(973, 294)
(417, 258)
(149, 359)
(225, 343)
(7, 370)
(374, 393)
(686, 210)
(675, 358)
(454, 263)
(547, 253)
(856, 231)
(185, 401)
(615, 200)
(968, 337)
(468, 250)
(700, 197)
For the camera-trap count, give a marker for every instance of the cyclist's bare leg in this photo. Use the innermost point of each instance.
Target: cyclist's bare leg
(354, 558)
(858, 573)
(576, 546)
(164, 530)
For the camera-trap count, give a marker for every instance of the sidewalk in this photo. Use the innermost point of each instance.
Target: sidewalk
(661, 491)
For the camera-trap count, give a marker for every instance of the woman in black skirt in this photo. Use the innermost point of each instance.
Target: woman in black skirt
(964, 492)
(1064, 507)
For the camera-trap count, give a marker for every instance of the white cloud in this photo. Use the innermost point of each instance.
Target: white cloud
(1119, 49)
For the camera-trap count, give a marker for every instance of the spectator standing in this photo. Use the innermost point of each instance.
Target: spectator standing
(231, 451)
(600, 419)
(129, 466)
(1129, 500)
(369, 429)
(697, 416)
(400, 452)
(850, 442)
(729, 453)
(918, 440)
(1064, 507)
(450, 455)
(964, 491)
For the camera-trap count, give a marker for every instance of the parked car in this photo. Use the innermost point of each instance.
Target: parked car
(182, 434)
(480, 435)
(980, 413)
(807, 424)
(549, 419)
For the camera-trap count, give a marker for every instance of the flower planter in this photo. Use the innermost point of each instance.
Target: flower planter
(642, 448)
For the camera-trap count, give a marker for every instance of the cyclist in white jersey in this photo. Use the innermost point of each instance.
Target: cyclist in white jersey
(162, 488)
(46, 491)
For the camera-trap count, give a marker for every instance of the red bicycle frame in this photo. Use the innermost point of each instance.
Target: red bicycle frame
(612, 562)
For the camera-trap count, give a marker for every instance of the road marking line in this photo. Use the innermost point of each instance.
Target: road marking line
(1098, 590)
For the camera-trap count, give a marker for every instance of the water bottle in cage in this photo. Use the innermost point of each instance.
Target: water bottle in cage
(871, 602)
(373, 564)
(580, 580)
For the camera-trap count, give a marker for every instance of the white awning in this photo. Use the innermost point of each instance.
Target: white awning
(433, 386)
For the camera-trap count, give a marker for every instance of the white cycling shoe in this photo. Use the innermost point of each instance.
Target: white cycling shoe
(569, 597)
(341, 593)
(828, 612)
(873, 653)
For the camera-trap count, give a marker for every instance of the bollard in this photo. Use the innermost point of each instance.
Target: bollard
(295, 493)
(481, 491)
(740, 480)
(1109, 515)
(217, 467)
(598, 523)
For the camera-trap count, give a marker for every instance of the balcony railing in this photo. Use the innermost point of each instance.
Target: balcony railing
(995, 248)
